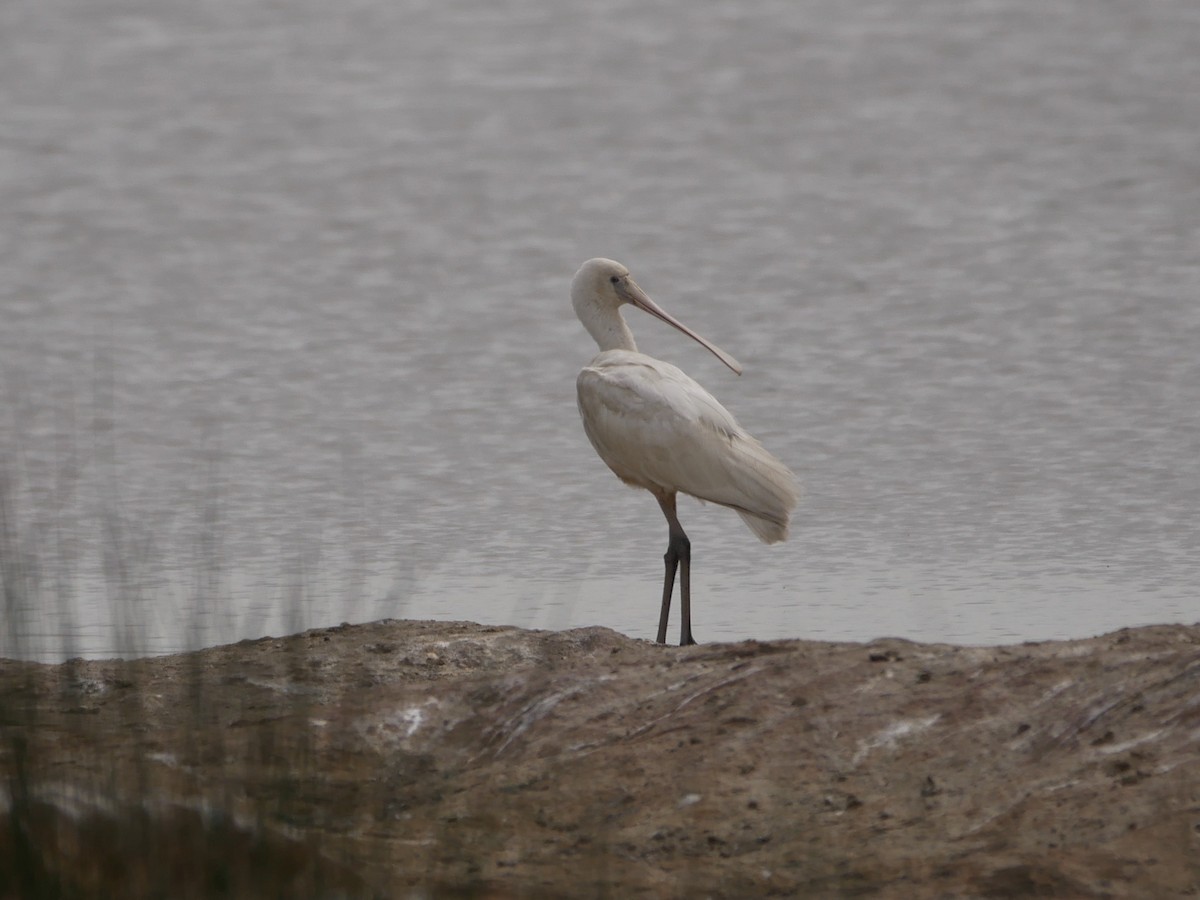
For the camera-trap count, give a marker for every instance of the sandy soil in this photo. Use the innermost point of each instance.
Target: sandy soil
(431, 759)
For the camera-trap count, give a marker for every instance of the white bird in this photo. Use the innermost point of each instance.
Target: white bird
(658, 429)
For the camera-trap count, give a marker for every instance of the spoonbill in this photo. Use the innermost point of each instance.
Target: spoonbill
(658, 429)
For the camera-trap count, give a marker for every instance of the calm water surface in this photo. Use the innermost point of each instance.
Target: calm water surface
(285, 337)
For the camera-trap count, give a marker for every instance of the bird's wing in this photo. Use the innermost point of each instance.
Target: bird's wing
(657, 428)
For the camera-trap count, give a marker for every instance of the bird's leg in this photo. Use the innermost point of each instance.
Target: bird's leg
(679, 550)
(685, 590)
(667, 502)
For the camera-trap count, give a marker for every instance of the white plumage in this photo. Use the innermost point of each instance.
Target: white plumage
(657, 429)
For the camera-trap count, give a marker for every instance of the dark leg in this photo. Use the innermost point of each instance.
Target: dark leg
(685, 590)
(672, 561)
(679, 550)
(667, 502)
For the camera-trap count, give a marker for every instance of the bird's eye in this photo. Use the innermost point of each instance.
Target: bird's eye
(614, 279)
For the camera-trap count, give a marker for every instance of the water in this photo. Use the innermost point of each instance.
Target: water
(286, 340)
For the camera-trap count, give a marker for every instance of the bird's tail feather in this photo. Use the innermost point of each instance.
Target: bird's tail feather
(769, 531)
(765, 489)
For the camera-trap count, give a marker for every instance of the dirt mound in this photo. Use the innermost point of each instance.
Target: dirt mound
(432, 759)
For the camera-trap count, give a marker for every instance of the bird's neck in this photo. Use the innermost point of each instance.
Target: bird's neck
(607, 327)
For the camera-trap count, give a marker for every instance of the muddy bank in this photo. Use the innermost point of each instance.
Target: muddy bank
(425, 759)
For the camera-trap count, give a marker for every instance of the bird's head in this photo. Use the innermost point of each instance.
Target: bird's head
(602, 282)
(602, 286)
